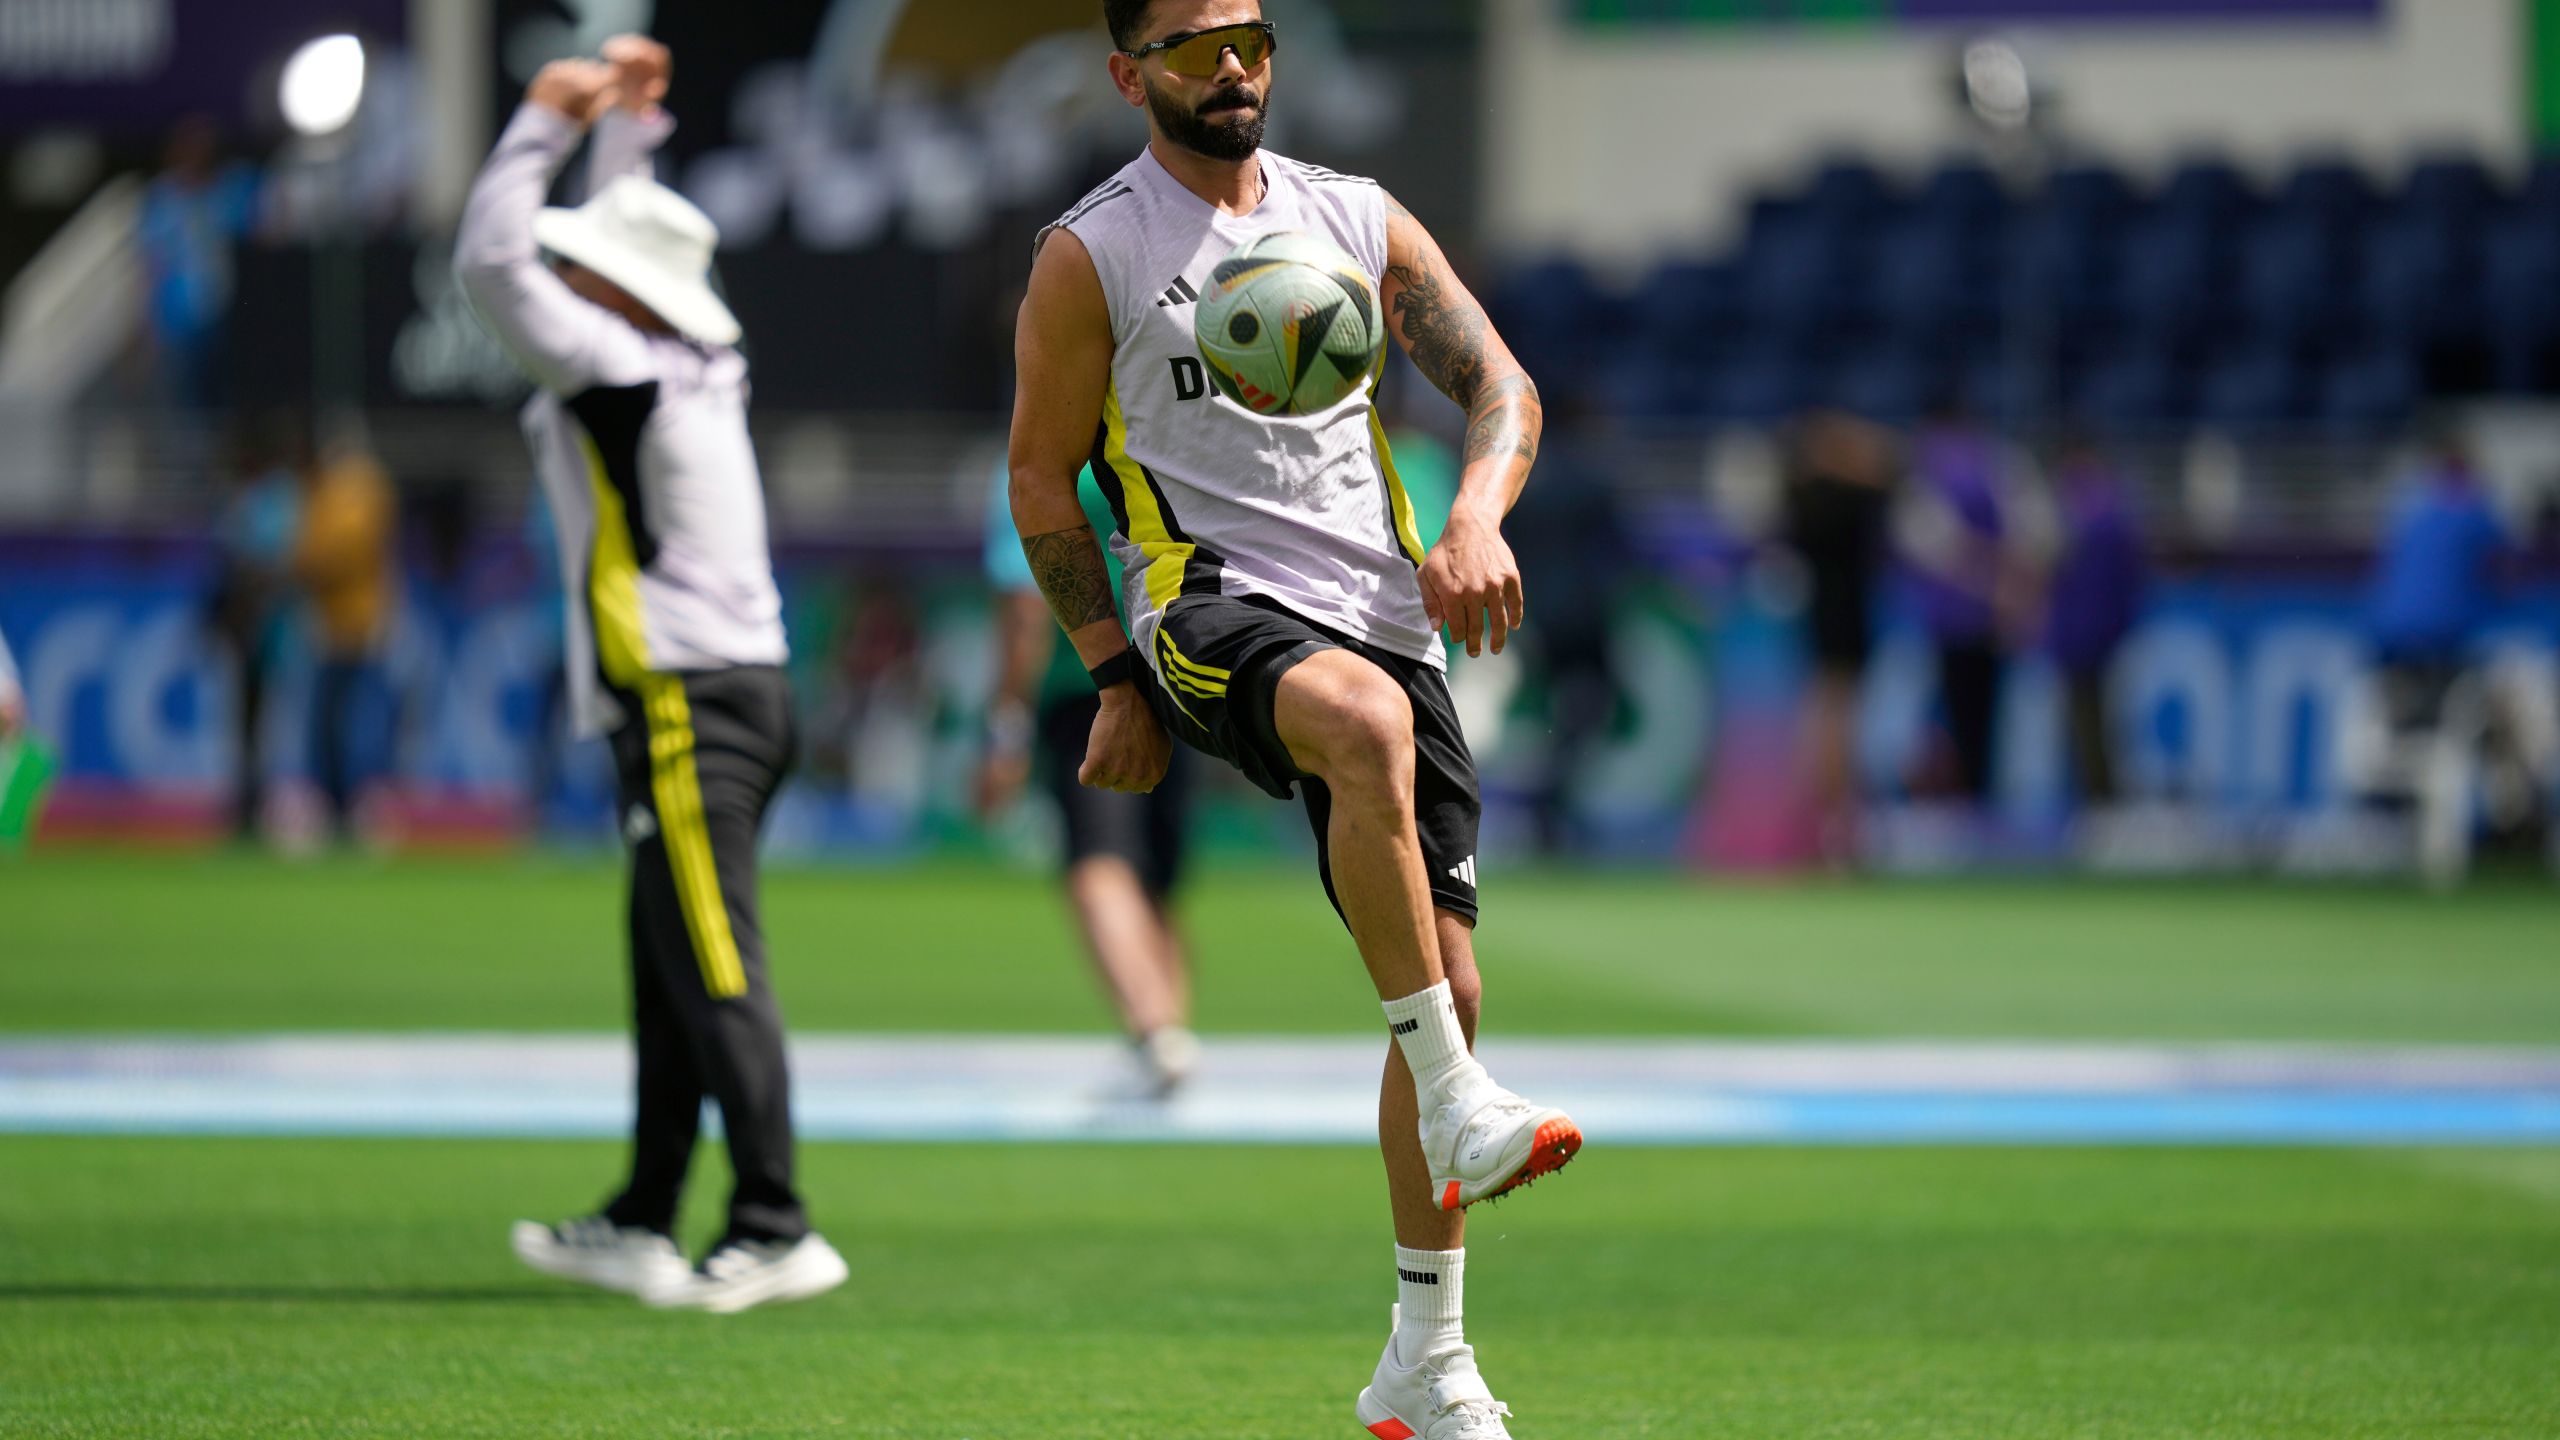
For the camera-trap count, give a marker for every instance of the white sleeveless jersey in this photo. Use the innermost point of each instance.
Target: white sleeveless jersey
(1211, 498)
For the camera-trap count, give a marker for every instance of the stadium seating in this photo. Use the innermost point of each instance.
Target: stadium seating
(2325, 299)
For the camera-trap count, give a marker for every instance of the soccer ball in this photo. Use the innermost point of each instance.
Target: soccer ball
(1289, 325)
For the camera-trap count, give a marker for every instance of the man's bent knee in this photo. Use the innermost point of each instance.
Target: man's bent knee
(1346, 721)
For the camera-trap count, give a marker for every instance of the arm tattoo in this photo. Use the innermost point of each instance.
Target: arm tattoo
(1069, 567)
(1505, 420)
(1446, 339)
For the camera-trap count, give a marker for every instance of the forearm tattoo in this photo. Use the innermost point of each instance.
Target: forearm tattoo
(1505, 420)
(1069, 567)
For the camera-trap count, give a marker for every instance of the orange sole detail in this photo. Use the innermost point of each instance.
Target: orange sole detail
(1449, 1197)
(1392, 1430)
(1557, 1142)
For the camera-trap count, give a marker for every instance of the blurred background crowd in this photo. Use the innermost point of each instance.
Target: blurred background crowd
(2112, 433)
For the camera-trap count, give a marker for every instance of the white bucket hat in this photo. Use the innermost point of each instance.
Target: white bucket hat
(652, 242)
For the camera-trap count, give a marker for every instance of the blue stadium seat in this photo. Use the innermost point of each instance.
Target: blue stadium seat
(2134, 389)
(2453, 188)
(1847, 189)
(2520, 267)
(1888, 384)
(2291, 279)
(1758, 386)
(1963, 195)
(2254, 388)
(2209, 191)
(2368, 395)
(1686, 312)
(2336, 192)
(2175, 272)
(2420, 281)
(1555, 317)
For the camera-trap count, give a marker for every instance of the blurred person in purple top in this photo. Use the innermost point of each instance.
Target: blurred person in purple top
(2099, 582)
(1950, 532)
(2437, 581)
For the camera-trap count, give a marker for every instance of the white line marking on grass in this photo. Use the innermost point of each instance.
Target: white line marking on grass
(965, 1087)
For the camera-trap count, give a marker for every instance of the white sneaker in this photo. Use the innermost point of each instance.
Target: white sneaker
(1442, 1398)
(1486, 1141)
(1169, 1055)
(746, 1273)
(595, 1251)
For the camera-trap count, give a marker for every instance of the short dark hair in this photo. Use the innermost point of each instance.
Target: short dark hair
(1127, 20)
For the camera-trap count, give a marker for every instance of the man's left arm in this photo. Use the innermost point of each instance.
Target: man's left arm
(1470, 582)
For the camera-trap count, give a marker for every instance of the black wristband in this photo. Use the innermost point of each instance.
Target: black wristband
(1118, 670)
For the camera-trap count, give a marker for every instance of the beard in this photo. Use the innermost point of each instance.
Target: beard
(1226, 126)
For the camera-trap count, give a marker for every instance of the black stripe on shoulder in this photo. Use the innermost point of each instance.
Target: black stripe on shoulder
(1093, 202)
(1317, 174)
(614, 417)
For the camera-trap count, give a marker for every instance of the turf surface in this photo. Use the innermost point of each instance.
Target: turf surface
(115, 942)
(199, 1288)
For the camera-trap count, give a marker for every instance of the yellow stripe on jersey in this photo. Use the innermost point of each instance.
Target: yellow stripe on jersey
(675, 786)
(613, 579)
(1408, 534)
(1166, 558)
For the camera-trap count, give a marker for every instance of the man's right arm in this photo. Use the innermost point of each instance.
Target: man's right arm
(562, 341)
(1062, 363)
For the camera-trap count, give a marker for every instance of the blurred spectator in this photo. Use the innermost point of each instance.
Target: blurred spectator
(2099, 582)
(1838, 518)
(257, 535)
(342, 558)
(1573, 554)
(193, 215)
(2435, 584)
(1950, 529)
(13, 698)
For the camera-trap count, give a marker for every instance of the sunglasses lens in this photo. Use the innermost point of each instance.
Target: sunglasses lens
(1200, 55)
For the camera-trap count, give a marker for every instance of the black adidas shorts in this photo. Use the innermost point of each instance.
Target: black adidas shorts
(1221, 658)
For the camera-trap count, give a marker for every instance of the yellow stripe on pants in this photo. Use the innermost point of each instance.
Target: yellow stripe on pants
(675, 786)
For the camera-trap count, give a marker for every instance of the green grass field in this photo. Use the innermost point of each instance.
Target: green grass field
(101, 942)
(239, 1287)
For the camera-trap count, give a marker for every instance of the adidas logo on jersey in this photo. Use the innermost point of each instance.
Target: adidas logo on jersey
(1178, 293)
(1464, 872)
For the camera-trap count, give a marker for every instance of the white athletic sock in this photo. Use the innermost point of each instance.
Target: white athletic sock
(1430, 1296)
(1425, 1025)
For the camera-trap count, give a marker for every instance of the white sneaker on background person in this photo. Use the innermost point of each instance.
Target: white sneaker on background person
(741, 1274)
(595, 1251)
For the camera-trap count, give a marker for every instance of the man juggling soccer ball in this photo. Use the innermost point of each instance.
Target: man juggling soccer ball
(1205, 330)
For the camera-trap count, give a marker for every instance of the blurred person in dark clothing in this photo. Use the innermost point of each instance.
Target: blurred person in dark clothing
(250, 607)
(1838, 521)
(1951, 531)
(1566, 529)
(2098, 586)
(343, 560)
(2438, 579)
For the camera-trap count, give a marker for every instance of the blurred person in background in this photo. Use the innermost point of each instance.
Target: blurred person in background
(1566, 530)
(250, 609)
(2437, 579)
(1950, 531)
(343, 561)
(194, 214)
(1124, 852)
(639, 433)
(1839, 520)
(2099, 582)
(13, 695)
